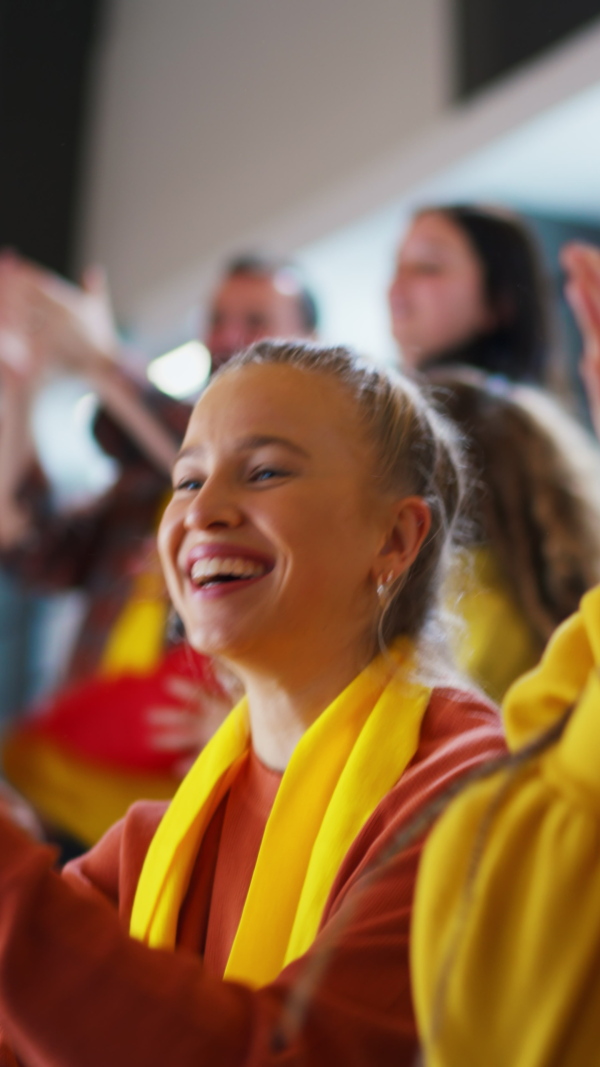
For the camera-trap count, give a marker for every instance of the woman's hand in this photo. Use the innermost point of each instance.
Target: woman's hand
(73, 328)
(20, 369)
(582, 265)
(18, 366)
(63, 324)
(185, 725)
(18, 811)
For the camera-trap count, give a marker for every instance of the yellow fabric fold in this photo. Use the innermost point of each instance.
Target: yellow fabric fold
(170, 858)
(496, 644)
(341, 769)
(540, 697)
(136, 639)
(136, 642)
(81, 797)
(504, 958)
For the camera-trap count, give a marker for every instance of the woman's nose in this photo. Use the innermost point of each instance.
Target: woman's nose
(213, 505)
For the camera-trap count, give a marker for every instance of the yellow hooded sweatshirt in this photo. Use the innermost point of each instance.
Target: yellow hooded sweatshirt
(506, 927)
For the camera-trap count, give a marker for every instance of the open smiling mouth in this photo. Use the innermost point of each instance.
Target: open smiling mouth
(212, 572)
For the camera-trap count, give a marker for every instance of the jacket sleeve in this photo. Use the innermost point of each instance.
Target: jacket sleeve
(57, 556)
(59, 547)
(77, 991)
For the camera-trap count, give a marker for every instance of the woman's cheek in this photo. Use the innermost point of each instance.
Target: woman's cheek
(168, 540)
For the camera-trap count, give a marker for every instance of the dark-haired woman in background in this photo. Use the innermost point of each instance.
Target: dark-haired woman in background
(506, 949)
(468, 310)
(468, 288)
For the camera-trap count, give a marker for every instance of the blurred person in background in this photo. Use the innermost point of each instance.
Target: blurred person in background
(468, 288)
(22, 612)
(532, 536)
(468, 309)
(127, 717)
(257, 297)
(505, 949)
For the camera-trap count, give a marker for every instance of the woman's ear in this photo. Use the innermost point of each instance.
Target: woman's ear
(411, 522)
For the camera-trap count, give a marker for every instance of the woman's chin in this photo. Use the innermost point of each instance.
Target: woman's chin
(218, 643)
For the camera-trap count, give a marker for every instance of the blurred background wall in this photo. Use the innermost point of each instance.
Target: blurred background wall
(158, 136)
(213, 119)
(220, 125)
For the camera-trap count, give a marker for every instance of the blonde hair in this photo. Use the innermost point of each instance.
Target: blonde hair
(536, 499)
(415, 452)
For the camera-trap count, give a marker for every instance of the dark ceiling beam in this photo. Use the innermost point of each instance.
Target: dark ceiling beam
(46, 47)
(493, 37)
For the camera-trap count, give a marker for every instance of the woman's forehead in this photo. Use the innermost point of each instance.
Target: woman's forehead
(276, 391)
(276, 399)
(438, 230)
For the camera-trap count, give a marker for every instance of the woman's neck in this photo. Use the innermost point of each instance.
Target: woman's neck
(283, 705)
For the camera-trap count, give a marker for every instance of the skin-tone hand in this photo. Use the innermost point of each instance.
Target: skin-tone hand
(20, 371)
(582, 265)
(73, 328)
(18, 363)
(16, 810)
(189, 722)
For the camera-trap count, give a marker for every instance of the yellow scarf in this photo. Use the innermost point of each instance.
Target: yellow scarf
(341, 769)
(137, 638)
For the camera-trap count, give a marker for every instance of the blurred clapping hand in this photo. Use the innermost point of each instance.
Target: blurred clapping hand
(185, 724)
(47, 322)
(17, 326)
(581, 263)
(55, 322)
(18, 811)
(21, 367)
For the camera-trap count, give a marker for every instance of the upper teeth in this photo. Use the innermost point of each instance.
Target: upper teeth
(213, 566)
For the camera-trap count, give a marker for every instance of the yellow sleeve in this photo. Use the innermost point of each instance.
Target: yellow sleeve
(506, 927)
(495, 643)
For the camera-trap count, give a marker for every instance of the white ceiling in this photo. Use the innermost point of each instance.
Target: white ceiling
(550, 164)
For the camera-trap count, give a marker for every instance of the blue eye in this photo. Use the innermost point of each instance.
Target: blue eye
(265, 474)
(190, 485)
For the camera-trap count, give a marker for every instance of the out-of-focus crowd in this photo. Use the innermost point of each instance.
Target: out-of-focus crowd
(136, 703)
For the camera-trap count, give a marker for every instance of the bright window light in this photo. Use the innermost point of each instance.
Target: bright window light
(181, 372)
(84, 410)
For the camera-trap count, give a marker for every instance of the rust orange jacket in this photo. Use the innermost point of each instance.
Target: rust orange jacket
(77, 991)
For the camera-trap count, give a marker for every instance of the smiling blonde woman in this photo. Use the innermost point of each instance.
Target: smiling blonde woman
(312, 513)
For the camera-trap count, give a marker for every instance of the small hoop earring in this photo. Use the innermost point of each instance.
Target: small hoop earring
(384, 587)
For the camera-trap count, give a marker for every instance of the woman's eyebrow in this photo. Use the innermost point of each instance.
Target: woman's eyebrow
(261, 440)
(191, 450)
(247, 444)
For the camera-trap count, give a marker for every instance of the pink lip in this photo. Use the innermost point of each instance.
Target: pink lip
(221, 550)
